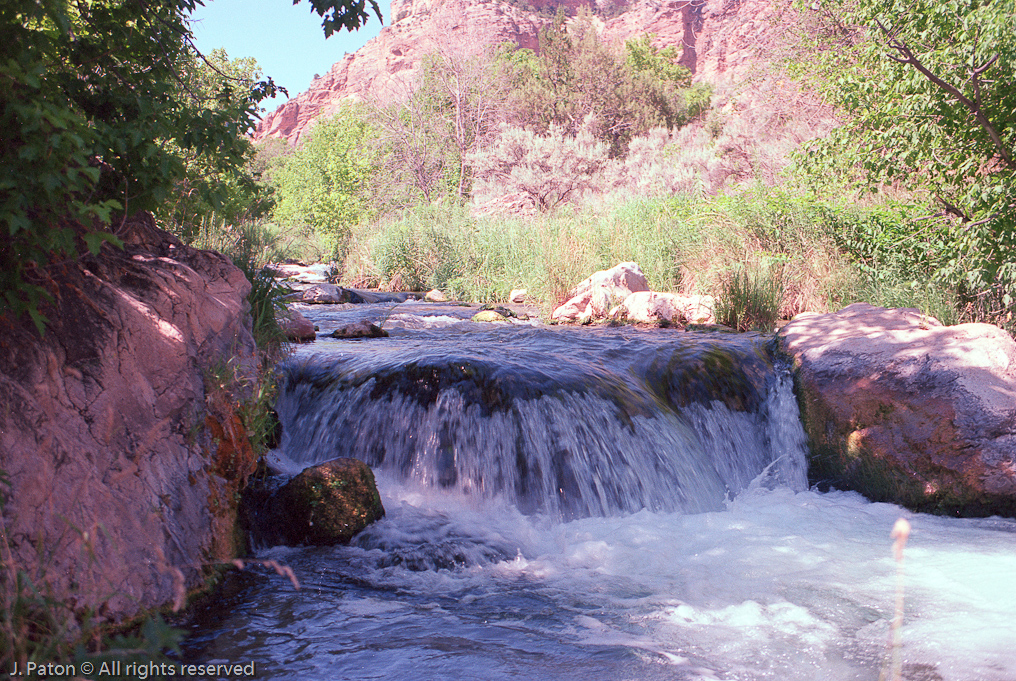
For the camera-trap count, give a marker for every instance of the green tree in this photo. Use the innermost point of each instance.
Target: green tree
(212, 188)
(927, 92)
(643, 57)
(579, 82)
(327, 182)
(94, 120)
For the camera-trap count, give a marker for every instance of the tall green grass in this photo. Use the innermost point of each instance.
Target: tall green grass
(826, 255)
(750, 299)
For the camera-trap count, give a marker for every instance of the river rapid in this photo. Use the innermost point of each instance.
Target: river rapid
(594, 504)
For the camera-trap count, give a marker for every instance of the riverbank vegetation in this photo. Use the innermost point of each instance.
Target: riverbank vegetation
(521, 169)
(107, 110)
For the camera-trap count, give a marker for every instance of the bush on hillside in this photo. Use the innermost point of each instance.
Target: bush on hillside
(551, 169)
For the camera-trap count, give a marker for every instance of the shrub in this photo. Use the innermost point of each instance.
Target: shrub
(749, 299)
(551, 169)
(327, 182)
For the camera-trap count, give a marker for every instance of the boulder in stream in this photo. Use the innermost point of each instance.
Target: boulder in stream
(597, 294)
(906, 410)
(295, 326)
(648, 307)
(325, 504)
(488, 316)
(327, 294)
(435, 296)
(360, 329)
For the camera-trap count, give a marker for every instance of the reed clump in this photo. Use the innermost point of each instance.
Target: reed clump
(750, 299)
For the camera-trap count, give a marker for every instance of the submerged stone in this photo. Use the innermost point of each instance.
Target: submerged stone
(326, 504)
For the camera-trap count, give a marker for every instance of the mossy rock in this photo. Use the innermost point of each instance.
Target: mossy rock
(327, 504)
(488, 316)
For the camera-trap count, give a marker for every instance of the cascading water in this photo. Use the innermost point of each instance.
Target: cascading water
(611, 504)
(555, 422)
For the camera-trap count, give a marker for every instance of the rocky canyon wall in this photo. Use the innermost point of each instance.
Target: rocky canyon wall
(122, 470)
(719, 40)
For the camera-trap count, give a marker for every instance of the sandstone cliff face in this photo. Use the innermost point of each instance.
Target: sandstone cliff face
(383, 69)
(718, 41)
(121, 474)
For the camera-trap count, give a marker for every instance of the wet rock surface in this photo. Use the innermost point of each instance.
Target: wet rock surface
(324, 505)
(903, 409)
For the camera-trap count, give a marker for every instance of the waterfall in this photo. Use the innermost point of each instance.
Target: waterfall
(541, 489)
(553, 425)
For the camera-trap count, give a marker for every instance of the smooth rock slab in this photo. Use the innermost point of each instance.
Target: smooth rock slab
(903, 409)
(123, 460)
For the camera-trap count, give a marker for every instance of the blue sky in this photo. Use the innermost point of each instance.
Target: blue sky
(286, 40)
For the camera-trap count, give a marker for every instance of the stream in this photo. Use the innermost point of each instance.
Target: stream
(610, 503)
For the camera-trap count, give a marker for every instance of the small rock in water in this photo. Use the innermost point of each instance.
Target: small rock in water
(296, 327)
(435, 296)
(500, 309)
(488, 316)
(360, 329)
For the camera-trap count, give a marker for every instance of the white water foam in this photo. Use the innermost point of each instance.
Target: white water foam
(778, 585)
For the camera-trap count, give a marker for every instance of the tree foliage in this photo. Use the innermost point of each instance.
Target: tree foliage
(327, 184)
(96, 123)
(643, 57)
(469, 93)
(213, 188)
(578, 80)
(928, 94)
(541, 125)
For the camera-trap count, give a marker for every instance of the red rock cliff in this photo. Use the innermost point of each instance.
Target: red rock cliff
(717, 38)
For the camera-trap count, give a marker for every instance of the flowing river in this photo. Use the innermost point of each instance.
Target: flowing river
(594, 504)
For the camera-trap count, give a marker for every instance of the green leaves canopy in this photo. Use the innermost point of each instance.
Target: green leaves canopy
(95, 123)
(325, 184)
(928, 93)
(578, 82)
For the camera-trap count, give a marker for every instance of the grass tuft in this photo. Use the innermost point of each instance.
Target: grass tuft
(750, 299)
